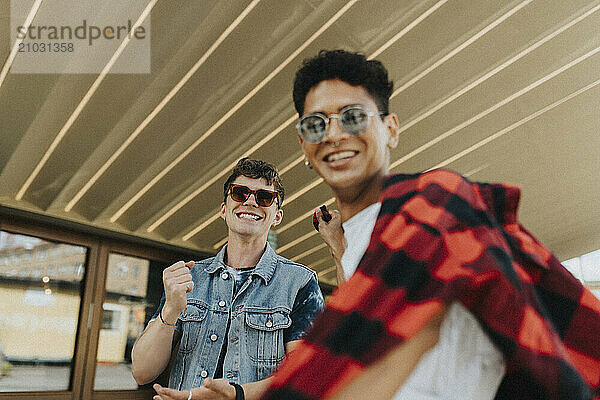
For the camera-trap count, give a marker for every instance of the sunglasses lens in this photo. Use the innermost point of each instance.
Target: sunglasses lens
(313, 128)
(354, 121)
(240, 193)
(264, 198)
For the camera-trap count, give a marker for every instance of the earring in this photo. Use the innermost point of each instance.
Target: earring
(307, 163)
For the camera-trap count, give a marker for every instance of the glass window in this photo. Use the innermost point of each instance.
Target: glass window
(124, 317)
(38, 314)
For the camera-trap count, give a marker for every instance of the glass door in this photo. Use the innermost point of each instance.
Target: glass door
(42, 315)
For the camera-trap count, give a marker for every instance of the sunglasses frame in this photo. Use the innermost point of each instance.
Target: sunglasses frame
(337, 116)
(253, 192)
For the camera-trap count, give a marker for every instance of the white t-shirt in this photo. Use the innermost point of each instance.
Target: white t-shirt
(463, 365)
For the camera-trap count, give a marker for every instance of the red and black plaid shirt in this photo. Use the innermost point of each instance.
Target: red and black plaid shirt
(440, 238)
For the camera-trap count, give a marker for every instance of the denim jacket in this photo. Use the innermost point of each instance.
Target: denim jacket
(259, 313)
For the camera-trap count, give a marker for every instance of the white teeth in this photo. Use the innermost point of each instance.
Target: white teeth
(340, 155)
(249, 216)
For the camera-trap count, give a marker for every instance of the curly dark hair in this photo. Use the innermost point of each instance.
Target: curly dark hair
(352, 68)
(256, 169)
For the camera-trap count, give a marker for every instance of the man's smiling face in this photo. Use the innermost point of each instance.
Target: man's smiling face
(345, 161)
(248, 219)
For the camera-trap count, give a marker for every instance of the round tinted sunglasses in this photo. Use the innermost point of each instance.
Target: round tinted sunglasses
(241, 193)
(354, 120)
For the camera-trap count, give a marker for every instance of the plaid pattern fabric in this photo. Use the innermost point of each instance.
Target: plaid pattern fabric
(440, 238)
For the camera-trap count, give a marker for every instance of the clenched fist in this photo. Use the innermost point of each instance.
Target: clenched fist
(177, 281)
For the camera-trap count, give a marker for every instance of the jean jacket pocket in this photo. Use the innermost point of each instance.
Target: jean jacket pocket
(264, 340)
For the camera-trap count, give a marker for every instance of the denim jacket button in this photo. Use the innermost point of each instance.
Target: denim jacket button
(224, 275)
(204, 374)
(222, 303)
(269, 324)
(213, 337)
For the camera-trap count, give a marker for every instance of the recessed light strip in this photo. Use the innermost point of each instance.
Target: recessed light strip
(302, 191)
(493, 108)
(407, 29)
(476, 170)
(460, 48)
(325, 271)
(513, 126)
(297, 240)
(320, 261)
(221, 242)
(158, 108)
(493, 72)
(308, 252)
(303, 217)
(292, 164)
(202, 226)
(83, 103)
(15, 49)
(232, 111)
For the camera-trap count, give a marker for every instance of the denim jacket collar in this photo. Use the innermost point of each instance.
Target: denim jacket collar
(265, 267)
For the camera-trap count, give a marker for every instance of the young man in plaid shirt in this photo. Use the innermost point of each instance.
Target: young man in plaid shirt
(453, 298)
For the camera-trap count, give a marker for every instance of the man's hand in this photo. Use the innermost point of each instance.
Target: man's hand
(177, 281)
(332, 232)
(212, 389)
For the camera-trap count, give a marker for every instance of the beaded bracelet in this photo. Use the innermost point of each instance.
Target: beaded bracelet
(163, 321)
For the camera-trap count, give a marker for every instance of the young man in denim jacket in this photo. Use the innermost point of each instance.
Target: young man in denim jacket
(237, 314)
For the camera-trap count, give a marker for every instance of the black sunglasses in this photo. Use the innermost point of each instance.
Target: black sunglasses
(241, 193)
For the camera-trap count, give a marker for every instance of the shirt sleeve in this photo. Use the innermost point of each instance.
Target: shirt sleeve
(307, 306)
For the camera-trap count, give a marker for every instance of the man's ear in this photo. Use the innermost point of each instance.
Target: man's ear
(278, 217)
(223, 211)
(392, 125)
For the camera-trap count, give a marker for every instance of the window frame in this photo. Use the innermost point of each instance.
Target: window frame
(100, 243)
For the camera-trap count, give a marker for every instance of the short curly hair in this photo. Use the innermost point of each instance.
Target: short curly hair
(352, 68)
(256, 169)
